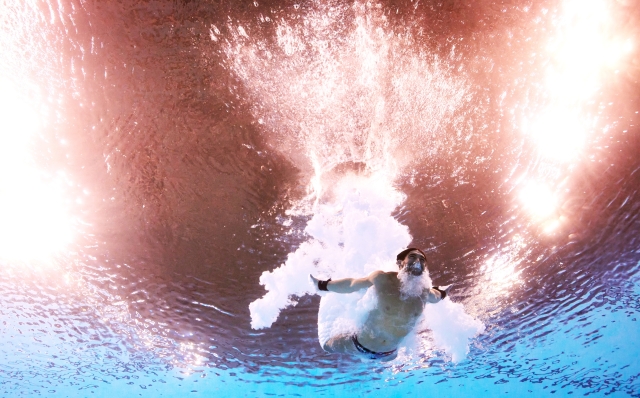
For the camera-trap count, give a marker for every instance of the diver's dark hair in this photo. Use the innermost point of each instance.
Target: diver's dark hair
(403, 254)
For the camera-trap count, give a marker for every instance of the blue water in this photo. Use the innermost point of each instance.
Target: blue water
(157, 158)
(595, 355)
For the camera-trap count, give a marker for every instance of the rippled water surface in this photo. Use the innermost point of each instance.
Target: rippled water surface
(157, 157)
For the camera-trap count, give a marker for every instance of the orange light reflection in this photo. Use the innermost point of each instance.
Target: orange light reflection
(586, 50)
(33, 221)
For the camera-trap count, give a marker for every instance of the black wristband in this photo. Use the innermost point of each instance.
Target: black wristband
(443, 294)
(322, 285)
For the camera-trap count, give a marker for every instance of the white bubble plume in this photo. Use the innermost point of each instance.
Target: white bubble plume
(352, 236)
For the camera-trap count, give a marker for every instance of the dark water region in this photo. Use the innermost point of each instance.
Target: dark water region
(175, 123)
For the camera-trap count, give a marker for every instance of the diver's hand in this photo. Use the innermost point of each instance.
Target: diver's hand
(319, 284)
(444, 289)
(315, 281)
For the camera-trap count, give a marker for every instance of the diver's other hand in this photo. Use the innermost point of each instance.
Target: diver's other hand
(314, 280)
(444, 290)
(319, 284)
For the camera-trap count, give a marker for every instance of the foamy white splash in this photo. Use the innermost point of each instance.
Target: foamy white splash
(347, 240)
(412, 286)
(352, 236)
(452, 328)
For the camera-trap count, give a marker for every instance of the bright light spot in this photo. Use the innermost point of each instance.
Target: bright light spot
(588, 33)
(628, 46)
(551, 226)
(586, 50)
(188, 357)
(581, 48)
(558, 134)
(538, 200)
(33, 223)
(500, 270)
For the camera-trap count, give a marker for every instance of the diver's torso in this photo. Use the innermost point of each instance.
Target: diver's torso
(392, 319)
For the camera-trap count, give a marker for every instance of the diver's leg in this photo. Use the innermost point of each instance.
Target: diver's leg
(340, 344)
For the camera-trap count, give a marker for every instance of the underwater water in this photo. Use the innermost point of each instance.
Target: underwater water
(171, 172)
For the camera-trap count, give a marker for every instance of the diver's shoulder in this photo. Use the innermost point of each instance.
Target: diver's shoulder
(383, 275)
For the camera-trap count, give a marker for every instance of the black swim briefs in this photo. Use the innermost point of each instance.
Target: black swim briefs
(368, 352)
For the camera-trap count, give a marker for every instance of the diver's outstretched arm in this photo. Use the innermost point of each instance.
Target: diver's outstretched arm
(437, 294)
(346, 285)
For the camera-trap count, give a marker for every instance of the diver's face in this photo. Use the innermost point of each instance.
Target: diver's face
(414, 263)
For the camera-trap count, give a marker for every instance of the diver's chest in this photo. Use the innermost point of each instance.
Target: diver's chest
(396, 307)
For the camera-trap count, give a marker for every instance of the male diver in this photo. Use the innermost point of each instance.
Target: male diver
(401, 298)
